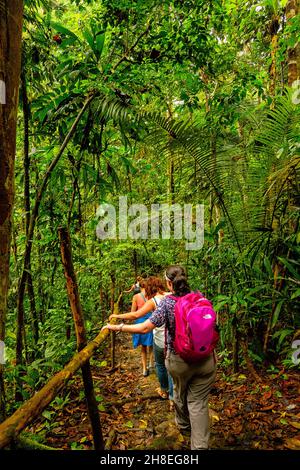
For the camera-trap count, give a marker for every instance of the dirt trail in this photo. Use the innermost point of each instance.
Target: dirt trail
(244, 414)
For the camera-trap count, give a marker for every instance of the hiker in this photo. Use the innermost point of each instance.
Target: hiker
(135, 288)
(155, 291)
(192, 380)
(138, 339)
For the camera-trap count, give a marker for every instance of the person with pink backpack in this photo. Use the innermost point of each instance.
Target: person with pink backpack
(190, 325)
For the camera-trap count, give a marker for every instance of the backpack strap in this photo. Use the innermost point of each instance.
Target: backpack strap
(143, 297)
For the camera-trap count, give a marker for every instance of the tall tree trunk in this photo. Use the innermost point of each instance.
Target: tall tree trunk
(73, 294)
(26, 165)
(274, 26)
(292, 9)
(11, 19)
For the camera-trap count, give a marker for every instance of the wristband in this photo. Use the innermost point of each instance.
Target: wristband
(121, 326)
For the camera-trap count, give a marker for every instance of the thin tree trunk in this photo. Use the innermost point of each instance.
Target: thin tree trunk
(274, 48)
(33, 218)
(26, 161)
(73, 294)
(171, 188)
(102, 303)
(170, 163)
(292, 10)
(135, 264)
(15, 250)
(235, 344)
(112, 292)
(11, 19)
(34, 314)
(68, 325)
(248, 361)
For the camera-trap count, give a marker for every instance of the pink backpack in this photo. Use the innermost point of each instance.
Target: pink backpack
(195, 327)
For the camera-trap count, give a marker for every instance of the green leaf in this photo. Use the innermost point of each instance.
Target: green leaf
(100, 38)
(62, 29)
(296, 294)
(129, 424)
(47, 414)
(89, 38)
(68, 42)
(282, 334)
(288, 265)
(268, 266)
(277, 312)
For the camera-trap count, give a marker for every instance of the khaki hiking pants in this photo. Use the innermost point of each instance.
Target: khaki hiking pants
(192, 384)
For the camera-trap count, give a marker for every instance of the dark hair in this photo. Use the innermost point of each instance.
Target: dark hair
(153, 286)
(177, 275)
(142, 281)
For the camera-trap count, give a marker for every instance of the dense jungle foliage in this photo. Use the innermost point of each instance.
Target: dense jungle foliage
(171, 102)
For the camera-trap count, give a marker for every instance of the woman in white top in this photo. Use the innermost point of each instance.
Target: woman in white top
(158, 290)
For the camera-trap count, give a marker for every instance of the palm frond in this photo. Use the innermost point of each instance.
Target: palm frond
(106, 107)
(191, 142)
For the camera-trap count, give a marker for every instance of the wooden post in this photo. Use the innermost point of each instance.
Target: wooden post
(73, 294)
(113, 336)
